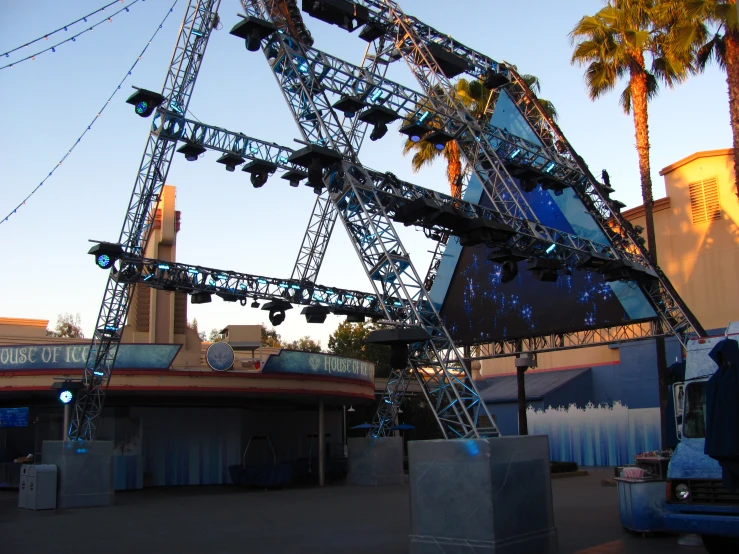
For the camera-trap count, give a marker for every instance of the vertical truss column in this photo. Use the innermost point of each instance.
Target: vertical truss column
(200, 18)
(437, 363)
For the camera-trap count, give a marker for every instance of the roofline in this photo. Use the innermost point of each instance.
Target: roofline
(659, 205)
(696, 156)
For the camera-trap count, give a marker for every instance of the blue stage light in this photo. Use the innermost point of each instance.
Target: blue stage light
(551, 248)
(142, 107)
(104, 261)
(66, 396)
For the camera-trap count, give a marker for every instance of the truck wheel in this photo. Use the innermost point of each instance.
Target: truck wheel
(716, 544)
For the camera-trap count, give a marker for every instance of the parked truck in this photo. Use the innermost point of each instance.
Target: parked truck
(697, 500)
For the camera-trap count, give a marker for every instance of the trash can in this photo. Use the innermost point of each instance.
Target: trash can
(641, 504)
(41, 489)
(23, 486)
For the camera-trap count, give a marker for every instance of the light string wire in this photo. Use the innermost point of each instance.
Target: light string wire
(128, 74)
(73, 38)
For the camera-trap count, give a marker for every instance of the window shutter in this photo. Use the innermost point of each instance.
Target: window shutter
(704, 201)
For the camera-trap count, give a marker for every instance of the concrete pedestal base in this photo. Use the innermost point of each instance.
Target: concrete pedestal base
(489, 496)
(85, 472)
(376, 461)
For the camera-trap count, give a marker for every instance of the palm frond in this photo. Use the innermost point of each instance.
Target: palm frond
(625, 100)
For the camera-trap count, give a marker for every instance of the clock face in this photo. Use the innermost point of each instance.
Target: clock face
(65, 396)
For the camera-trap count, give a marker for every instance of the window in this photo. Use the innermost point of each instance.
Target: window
(704, 201)
(694, 418)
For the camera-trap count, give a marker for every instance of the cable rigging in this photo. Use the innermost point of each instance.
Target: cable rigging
(99, 113)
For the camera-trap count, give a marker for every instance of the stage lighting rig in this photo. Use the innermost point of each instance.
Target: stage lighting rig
(379, 117)
(343, 13)
(414, 131)
(106, 253)
(192, 150)
(315, 158)
(545, 269)
(438, 139)
(253, 30)
(294, 177)
(493, 80)
(372, 31)
(398, 340)
(349, 105)
(260, 172)
(230, 160)
(255, 304)
(276, 309)
(201, 297)
(145, 101)
(68, 389)
(315, 314)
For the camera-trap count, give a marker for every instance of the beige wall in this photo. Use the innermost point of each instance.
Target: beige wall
(701, 260)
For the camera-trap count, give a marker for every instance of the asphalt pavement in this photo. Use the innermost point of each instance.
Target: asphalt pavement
(333, 519)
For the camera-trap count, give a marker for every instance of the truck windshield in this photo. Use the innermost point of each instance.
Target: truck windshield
(694, 420)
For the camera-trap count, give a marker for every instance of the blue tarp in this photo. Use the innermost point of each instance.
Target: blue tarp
(722, 412)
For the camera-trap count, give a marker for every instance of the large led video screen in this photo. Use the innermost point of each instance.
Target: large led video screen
(476, 306)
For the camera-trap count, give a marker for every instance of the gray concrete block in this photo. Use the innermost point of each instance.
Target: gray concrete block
(376, 461)
(489, 496)
(85, 472)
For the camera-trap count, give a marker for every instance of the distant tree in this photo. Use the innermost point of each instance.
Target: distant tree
(67, 325)
(194, 326)
(215, 336)
(304, 344)
(349, 340)
(270, 337)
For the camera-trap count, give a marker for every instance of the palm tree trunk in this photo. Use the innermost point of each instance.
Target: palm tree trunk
(454, 168)
(641, 124)
(732, 78)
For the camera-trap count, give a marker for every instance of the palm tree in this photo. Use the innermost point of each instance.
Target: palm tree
(478, 100)
(722, 46)
(619, 41)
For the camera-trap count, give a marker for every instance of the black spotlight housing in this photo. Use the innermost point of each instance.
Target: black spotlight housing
(508, 271)
(349, 105)
(450, 63)
(315, 159)
(372, 31)
(414, 131)
(145, 101)
(545, 270)
(438, 139)
(253, 30)
(260, 172)
(201, 297)
(106, 253)
(294, 177)
(191, 150)
(343, 13)
(494, 80)
(398, 339)
(315, 314)
(227, 296)
(230, 160)
(379, 116)
(276, 309)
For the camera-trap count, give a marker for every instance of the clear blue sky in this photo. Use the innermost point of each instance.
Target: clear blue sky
(226, 223)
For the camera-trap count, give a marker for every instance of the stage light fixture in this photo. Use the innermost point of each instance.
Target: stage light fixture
(315, 158)
(438, 139)
(276, 309)
(379, 131)
(545, 270)
(200, 297)
(508, 271)
(145, 101)
(191, 150)
(494, 80)
(66, 396)
(230, 160)
(414, 131)
(379, 117)
(253, 30)
(372, 31)
(255, 304)
(343, 13)
(398, 339)
(349, 105)
(315, 314)
(294, 177)
(106, 253)
(260, 172)
(449, 62)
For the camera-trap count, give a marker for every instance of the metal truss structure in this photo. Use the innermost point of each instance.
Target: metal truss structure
(333, 102)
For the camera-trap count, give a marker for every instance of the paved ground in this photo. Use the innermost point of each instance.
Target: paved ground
(334, 519)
